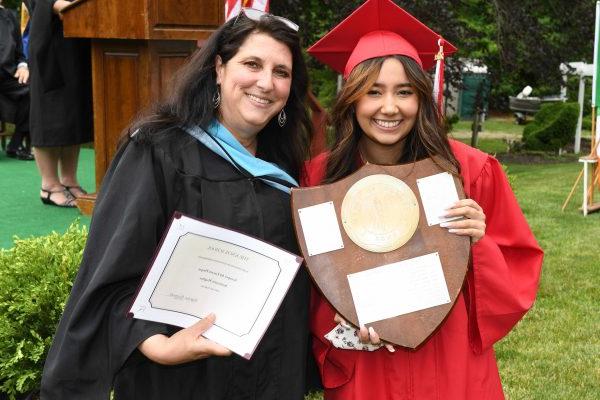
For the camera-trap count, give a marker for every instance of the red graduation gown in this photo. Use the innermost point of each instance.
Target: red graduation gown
(458, 361)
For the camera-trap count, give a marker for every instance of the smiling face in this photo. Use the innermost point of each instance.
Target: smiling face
(255, 85)
(387, 113)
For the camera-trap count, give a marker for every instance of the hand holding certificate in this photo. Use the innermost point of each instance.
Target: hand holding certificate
(184, 346)
(202, 268)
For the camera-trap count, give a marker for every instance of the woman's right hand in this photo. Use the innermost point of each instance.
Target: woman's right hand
(184, 346)
(366, 335)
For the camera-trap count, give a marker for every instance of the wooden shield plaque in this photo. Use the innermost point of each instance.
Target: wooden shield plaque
(402, 234)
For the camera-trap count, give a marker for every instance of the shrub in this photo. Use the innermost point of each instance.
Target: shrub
(36, 276)
(586, 123)
(451, 121)
(553, 127)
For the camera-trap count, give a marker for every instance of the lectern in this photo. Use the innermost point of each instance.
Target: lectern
(136, 47)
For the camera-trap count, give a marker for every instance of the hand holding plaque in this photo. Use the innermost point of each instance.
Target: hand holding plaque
(393, 266)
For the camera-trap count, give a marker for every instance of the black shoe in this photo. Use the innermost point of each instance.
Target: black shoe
(81, 190)
(46, 198)
(20, 154)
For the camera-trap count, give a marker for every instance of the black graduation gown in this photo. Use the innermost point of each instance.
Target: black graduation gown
(60, 81)
(11, 44)
(95, 342)
(14, 97)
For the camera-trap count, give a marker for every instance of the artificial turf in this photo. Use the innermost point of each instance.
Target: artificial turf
(22, 213)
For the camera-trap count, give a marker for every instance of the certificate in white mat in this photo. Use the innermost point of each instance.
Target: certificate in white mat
(202, 268)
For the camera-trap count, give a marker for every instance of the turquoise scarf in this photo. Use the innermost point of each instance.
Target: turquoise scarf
(222, 142)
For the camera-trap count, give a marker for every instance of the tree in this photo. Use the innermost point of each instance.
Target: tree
(534, 37)
(316, 17)
(521, 42)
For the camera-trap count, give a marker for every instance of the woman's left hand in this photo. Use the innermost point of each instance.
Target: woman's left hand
(473, 222)
(22, 75)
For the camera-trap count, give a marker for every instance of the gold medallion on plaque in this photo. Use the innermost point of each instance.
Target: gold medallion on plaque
(380, 213)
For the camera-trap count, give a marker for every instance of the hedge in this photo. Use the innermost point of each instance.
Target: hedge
(36, 277)
(554, 127)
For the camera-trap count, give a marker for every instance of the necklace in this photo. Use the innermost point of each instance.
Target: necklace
(363, 159)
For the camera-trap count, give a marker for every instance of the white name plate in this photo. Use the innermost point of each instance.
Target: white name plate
(438, 192)
(399, 288)
(321, 228)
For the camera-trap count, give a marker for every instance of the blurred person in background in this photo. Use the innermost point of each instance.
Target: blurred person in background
(14, 91)
(61, 101)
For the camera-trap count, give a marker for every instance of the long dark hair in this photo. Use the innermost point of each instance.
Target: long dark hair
(427, 138)
(191, 100)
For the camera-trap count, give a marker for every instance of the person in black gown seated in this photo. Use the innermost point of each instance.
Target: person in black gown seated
(226, 147)
(14, 88)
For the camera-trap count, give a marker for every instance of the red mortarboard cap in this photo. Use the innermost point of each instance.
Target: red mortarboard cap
(375, 29)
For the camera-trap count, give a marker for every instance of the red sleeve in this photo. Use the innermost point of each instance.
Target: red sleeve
(336, 365)
(506, 262)
(314, 171)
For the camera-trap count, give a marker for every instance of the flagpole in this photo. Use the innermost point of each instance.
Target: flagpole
(595, 103)
(595, 149)
(595, 80)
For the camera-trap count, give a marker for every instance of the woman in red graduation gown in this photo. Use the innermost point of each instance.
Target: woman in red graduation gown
(385, 114)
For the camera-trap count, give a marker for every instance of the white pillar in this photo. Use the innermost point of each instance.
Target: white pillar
(563, 87)
(577, 145)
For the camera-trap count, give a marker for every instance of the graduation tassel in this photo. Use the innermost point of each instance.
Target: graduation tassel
(438, 83)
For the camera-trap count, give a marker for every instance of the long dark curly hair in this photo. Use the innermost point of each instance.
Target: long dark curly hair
(191, 99)
(427, 138)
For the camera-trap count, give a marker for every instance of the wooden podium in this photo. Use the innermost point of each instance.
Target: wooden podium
(136, 48)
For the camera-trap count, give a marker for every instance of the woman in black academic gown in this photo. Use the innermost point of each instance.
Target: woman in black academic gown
(244, 94)
(61, 101)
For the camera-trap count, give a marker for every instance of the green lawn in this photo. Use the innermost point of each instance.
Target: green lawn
(504, 125)
(490, 146)
(496, 133)
(494, 137)
(554, 352)
(23, 214)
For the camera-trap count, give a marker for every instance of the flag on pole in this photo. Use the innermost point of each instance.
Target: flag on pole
(595, 79)
(233, 7)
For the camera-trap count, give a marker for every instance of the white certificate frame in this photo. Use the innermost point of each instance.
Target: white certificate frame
(244, 298)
